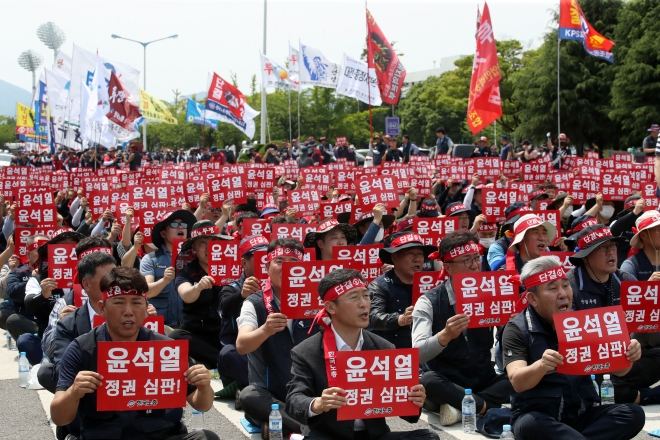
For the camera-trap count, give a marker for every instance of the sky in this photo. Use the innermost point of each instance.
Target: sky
(226, 36)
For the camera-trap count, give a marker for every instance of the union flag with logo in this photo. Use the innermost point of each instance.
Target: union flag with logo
(226, 103)
(382, 57)
(574, 26)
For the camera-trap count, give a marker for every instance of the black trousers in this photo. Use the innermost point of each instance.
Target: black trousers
(4, 315)
(644, 373)
(232, 366)
(607, 422)
(19, 324)
(202, 348)
(47, 376)
(196, 435)
(441, 390)
(256, 403)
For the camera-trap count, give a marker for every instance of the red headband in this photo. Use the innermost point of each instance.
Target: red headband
(60, 231)
(536, 194)
(327, 225)
(105, 250)
(252, 243)
(548, 276)
(591, 237)
(488, 227)
(115, 290)
(407, 238)
(429, 207)
(342, 288)
(209, 230)
(528, 224)
(518, 211)
(460, 250)
(455, 208)
(588, 222)
(284, 252)
(630, 204)
(35, 245)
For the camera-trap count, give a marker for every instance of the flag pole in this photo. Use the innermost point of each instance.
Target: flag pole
(290, 131)
(204, 124)
(558, 93)
(299, 89)
(371, 121)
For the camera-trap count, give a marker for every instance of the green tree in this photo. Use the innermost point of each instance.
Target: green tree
(7, 130)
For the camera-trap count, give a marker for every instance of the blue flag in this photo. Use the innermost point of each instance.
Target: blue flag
(195, 115)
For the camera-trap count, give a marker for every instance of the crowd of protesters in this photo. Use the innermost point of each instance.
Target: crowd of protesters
(264, 358)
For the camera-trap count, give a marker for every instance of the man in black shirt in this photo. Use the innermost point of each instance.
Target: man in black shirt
(134, 161)
(546, 404)
(651, 141)
(392, 154)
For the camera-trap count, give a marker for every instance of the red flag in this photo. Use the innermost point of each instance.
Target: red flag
(381, 56)
(574, 26)
(484, 105)
(122, 112)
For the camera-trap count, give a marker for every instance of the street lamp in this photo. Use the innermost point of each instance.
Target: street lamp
(52, 36)
(144, 73)
(30, 61)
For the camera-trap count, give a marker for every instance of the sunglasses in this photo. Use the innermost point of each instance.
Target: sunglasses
(175, 225)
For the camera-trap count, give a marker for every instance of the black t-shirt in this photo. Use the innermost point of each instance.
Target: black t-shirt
(393, 155)
(136, 162)
(515, 347)
(192, 273)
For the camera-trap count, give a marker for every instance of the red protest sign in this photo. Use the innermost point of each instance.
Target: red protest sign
(333, 209)
(551, 216)
(304, 201)
(224, 264)
(423, 282)
(495, 201)
(487, 297)
(230, 187)
(176, 249)
(316, 178)
(259, 261)
(288, 230)
(615, 185)
(639, 299)
(648, 194)
(193, 191)
(377, 383)
(40, 216)
(260, 178)
(154, 323)
(256, 226)
(299, 296)
(62, 263)
(22, 234)
(434, 229)
(592, 341)
(142, 375)
(374, 189)
(341, 141)
(563, 257)
(363, 258)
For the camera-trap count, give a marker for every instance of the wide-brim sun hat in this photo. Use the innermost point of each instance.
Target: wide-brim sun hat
(527, 222)
(58, 236)
(387, 220)
(648, 220)
(186, 216)
(326, 226)
(558, 201)
(513, 212)
(589, 239)
(202, 229)
(401, 241)
(456, 208)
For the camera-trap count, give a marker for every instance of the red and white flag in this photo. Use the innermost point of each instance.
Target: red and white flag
(122, 112)
(382, 57)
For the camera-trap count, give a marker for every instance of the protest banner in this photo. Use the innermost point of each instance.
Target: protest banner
(329, 209)
(639, 300)
(551, 216)
(563, 257)
(363, 258)
(259, 261)
(145, 375)
(495, 201)
(39, 216)
(297, 231)
(304, 201)
(299, 292)
(434, 229)
(377, 382)
(423, 282)
(227, 188)
(223, 262)
(154, 323)
(373, 189)
(62, 264)
(488, 298)
(592, 341)
(256, 226)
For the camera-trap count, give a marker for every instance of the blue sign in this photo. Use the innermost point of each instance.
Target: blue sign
(393, 126)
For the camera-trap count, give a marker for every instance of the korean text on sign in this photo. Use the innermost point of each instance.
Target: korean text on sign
(423, 282)
(144, 375)
(592, 341)
(62, 263)
(300, 280)
(224, 264)
(377, 383)
(495, 201)
(639, 300)
(488, 298)
(372, 190)
(362, 258)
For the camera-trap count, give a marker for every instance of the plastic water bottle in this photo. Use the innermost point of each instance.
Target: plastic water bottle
(469, 413)
(44, 359)
(593, 380)
(606, 391)
(506, 432)
(197, 420)
(275, 422)
(11, 345)
(23, 370)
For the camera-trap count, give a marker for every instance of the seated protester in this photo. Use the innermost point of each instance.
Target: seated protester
(564, 203)
(546, 404)
(531, 237)
(428, 209)
(603, 210)
(486, 233)
(124, 306)
(269, 211)
(371, 226)
(237, 224)
(623, 225)
(456, 357)
(267, 337)
(312, 395)
(459, 210)
(232, 366)
(201, 322)
(473, 195)
(644, 264)
(390, 316)
(535, 196)
(157, 266)
(451, 194)
(497, 252)
(41, 294)
(549, 188)
(329, 233)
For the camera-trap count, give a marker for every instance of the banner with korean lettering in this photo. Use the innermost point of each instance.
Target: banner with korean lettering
(332, 209)
(495, 201)
(227, 187)
(423, 282)
(224, 264)
(488, 298)
(259, 261)
(363, 258)
(40, 216)
(62, 264)
(574, 26)
(615, 185)
(356, 82)
(143, 375)
(225, 103)
(154, 109)
(256, 226)
(375, 189)
(24, 120)
(382, 56)
(563, 257)
(304, 201)
(549, 215)
(639, 300)
(300, 280)
(377, 383)
(434, 229)
(592, 341)
(296, 231)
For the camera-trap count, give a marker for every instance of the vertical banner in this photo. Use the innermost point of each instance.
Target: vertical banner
(383, 58)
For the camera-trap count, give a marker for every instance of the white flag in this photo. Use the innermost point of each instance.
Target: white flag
(353, 81)
(226, 103)
(294, 67)
(316, 69)
(62, 63)
(57, 86)
(92, 121)
(273, 76)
